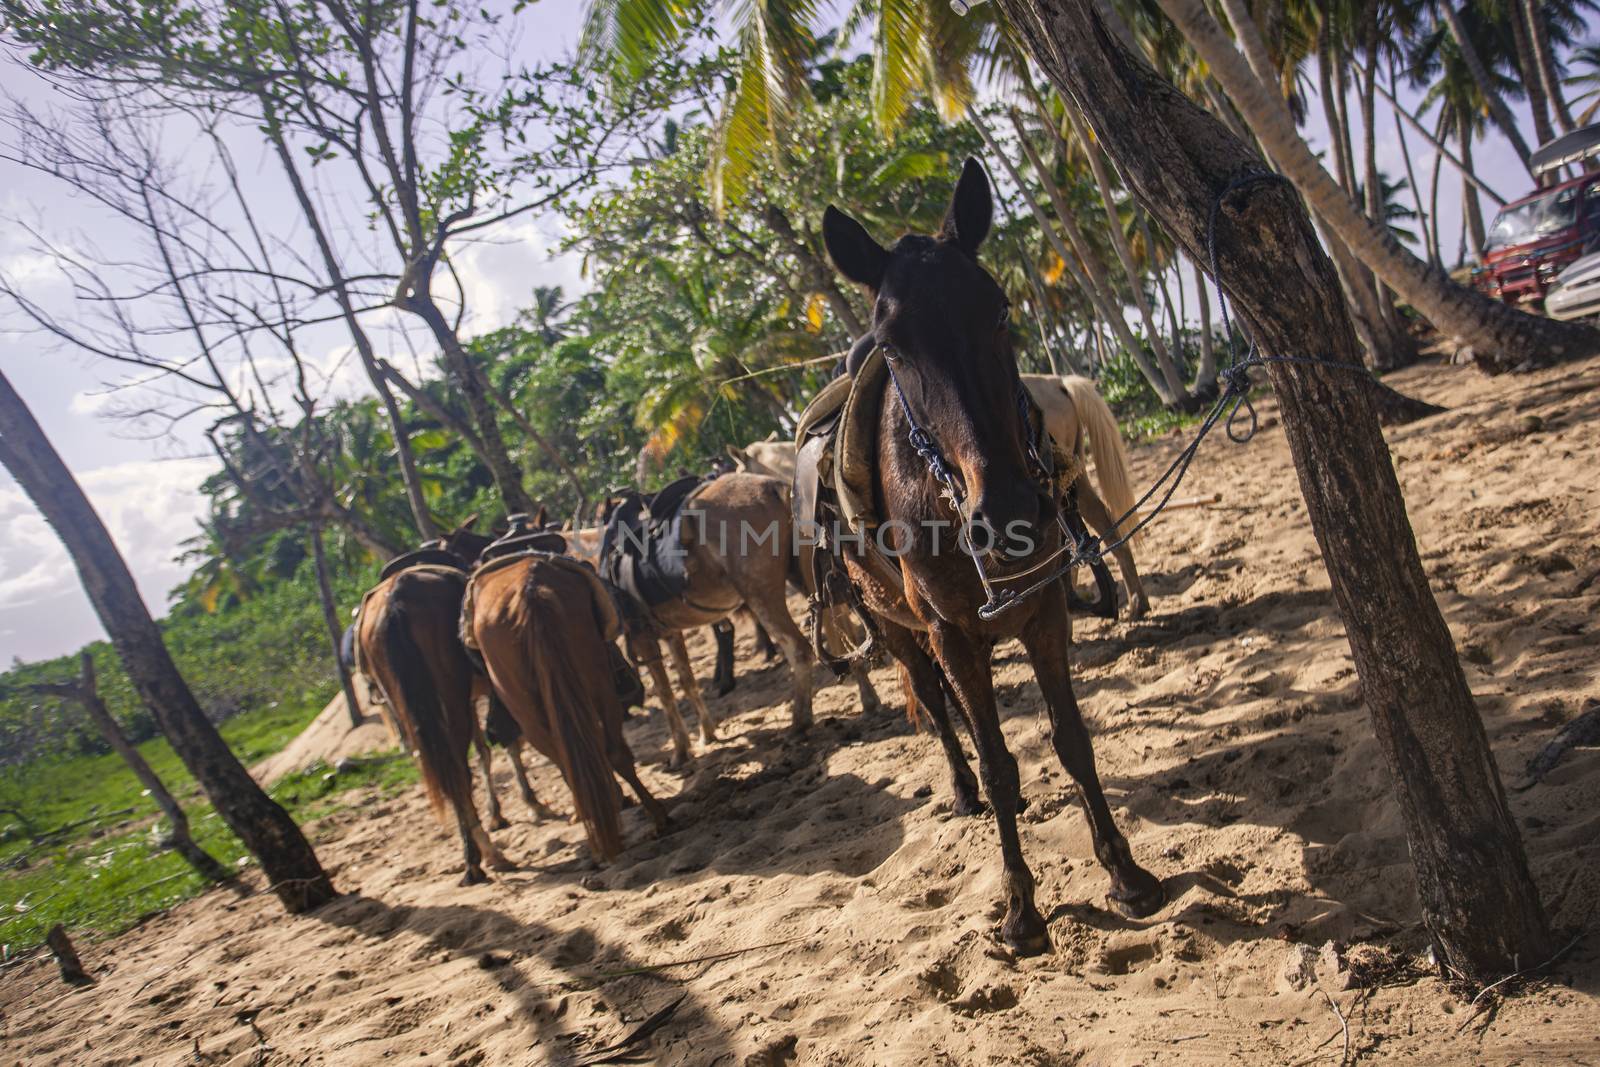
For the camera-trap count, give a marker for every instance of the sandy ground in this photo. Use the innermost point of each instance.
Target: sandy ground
(819, 904)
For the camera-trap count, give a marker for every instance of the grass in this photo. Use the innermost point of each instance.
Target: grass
(107, 875)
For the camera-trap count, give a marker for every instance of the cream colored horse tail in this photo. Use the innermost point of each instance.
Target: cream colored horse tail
(1099, 427)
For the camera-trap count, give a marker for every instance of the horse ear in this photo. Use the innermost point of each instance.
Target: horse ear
(737, 455)
(967, 220)
(540, 518)
(466, 524)
(852, 249)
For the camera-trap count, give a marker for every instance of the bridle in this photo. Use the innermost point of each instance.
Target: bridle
(1078, 545)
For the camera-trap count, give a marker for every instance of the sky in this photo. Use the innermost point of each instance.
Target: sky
(144, 484)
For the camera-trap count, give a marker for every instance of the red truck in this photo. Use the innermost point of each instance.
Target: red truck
(1537, 237)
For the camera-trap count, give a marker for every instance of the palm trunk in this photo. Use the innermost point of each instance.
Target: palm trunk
(1103, 306)
(1411, 176)
(262, 825)
(330, 618)
(1486, 88)
(1478, 899)
(1528, 67)
(1545, 56)
(1119, 239)
(1436, 142)
(1501, 337)
(1341, 105)
(1435, 253)
(1470, 207)
(1386, 344)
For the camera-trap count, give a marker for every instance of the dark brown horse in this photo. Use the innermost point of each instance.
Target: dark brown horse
(542, 625)
(943, 325)
(410, 647)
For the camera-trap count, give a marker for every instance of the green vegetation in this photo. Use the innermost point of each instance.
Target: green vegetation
(109, 869)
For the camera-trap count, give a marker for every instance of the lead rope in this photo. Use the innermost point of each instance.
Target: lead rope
(1087, 549)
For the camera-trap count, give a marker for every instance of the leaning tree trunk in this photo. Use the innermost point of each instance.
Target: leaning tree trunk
(330, 619)
(1486, 87)
(265, 828)
(474, 390)
(339, 284)
(1502, 338)
(1478, 899)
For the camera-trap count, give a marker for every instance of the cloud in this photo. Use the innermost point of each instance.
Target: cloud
(499, 274)
(149, 507)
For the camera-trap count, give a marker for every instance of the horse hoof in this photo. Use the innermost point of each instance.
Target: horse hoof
(1027, 937)
(501, 864)
(541, 813)
(724, 690)
(499, 822)
(967, 804)
(474, 876)
(1140, 896)
(1138, 607)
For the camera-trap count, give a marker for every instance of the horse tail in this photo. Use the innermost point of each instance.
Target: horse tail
(1105, 447)
(421, 710)
(574, 711)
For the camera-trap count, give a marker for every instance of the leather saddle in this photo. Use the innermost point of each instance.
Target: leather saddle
(422, 557)
(641, 548)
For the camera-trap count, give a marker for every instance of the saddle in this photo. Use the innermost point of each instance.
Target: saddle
(422, 557)
(641, 548)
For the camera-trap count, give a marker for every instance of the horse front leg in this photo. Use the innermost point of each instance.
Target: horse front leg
(1047, 637)
(966, 662)
(921, 677)
(1094, 512)
(691, 685)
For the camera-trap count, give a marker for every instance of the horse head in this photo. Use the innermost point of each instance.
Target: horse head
(943, 324)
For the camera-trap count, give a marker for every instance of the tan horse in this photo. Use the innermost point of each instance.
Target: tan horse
(541, 624)
(739, 546)
(409, 646)
(1075, 415)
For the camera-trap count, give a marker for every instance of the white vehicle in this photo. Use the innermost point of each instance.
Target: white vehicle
(1576, 293)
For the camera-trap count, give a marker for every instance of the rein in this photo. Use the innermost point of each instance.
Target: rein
(997, 600)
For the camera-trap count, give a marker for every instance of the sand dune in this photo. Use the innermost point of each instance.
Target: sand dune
(820, 905)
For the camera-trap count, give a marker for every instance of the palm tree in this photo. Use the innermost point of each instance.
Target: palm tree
(1501, 337)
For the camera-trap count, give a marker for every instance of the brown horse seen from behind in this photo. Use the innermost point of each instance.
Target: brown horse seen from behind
(942, 324)
(409, 646)
(542, 624)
